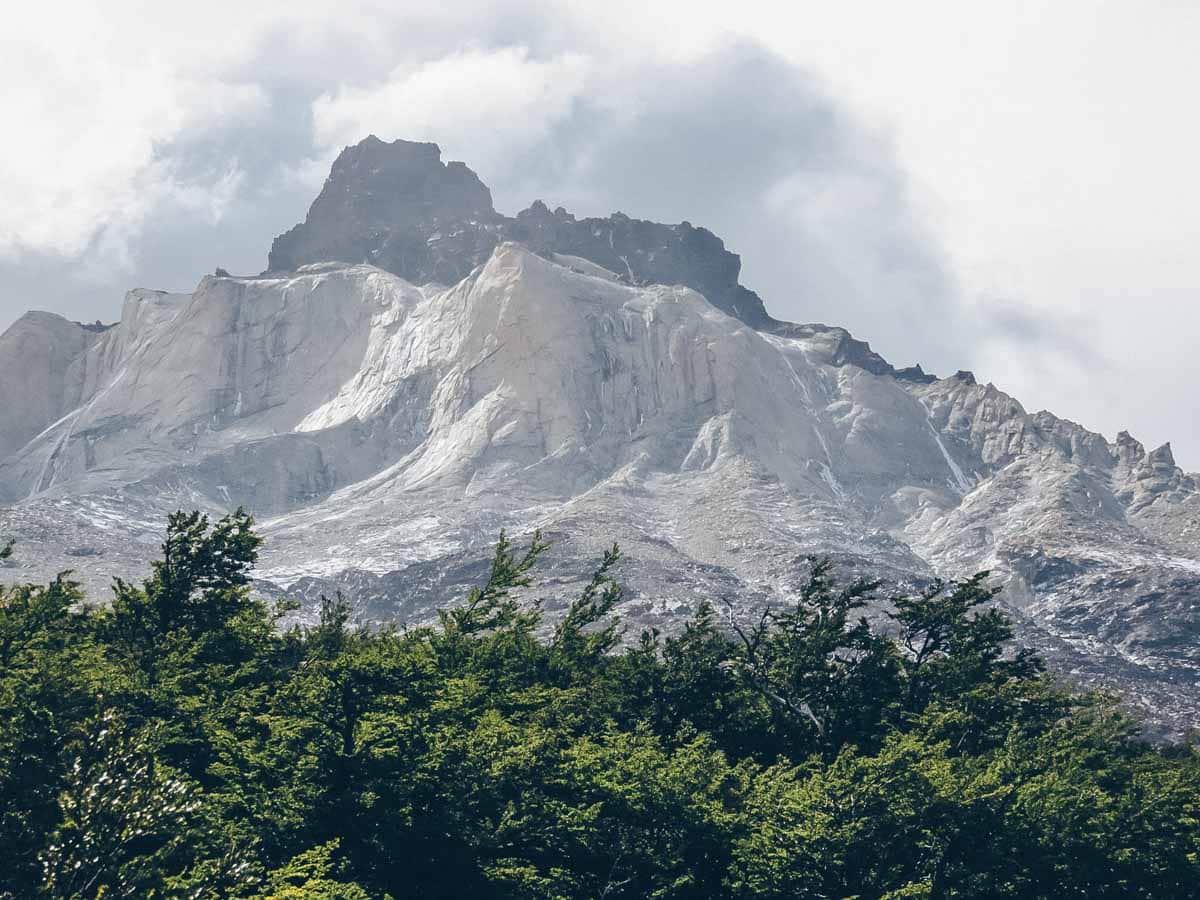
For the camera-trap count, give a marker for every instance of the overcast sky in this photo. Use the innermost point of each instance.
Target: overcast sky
(1003, 187)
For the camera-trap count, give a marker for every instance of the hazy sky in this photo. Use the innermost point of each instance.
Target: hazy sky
(1004, 187)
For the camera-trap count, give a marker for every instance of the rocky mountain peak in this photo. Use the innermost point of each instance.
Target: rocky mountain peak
(403, 182)
(1129, 449)
(1162, 457)
(399, 207)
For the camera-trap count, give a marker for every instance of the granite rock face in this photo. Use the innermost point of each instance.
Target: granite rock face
(42, 374)
(383, 429)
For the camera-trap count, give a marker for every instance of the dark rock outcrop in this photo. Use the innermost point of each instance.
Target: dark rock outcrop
(398, 206)
(643, 252)
(845, 349)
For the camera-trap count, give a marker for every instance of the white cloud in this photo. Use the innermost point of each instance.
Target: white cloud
(90, 111)
(485, 106)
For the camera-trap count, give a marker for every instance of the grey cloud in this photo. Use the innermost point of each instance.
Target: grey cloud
(1010, 321)
(709, 141)
(174, 247)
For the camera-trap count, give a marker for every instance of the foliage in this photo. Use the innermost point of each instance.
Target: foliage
(180, 742)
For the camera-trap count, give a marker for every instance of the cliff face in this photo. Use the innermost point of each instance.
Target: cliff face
(399, 207)
(40, 375)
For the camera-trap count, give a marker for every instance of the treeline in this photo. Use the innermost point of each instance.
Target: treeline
(178, 742)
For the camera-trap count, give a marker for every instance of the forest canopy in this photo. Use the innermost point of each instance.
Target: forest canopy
(179, 741)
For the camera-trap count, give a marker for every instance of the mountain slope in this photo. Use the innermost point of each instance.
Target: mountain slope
(385, 431)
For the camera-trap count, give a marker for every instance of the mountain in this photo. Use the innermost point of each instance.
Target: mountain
(415, 371)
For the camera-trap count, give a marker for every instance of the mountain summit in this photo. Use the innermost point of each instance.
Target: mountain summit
(399, 207)
(416, 371)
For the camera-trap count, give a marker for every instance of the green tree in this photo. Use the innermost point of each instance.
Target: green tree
(830, 680)
(182, 742)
